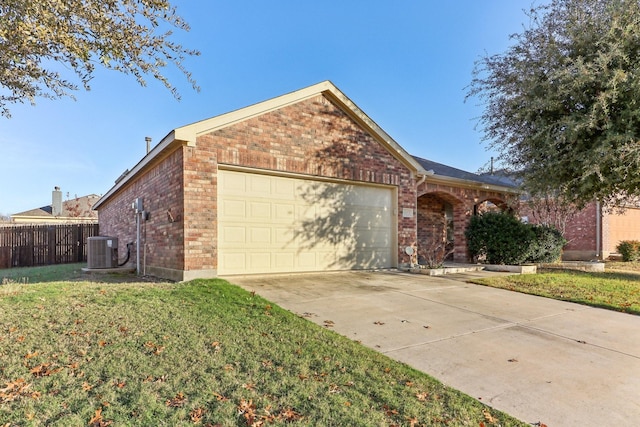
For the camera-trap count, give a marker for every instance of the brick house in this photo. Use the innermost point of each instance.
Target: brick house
(302, 182)
(70, 211)
(594, 232)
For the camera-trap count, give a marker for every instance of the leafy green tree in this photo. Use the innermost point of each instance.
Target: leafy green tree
(562, 104)
(37, 37)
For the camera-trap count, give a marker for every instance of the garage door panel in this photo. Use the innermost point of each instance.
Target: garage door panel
(259, 185)
(231, 208)
(259, 210)
(233, 234)
(260, 235)
(277, 224)
(237, 185)
(232, 261)
(283, 188)
(284, 212)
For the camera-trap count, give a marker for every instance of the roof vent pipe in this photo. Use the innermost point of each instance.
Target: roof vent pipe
(148, 140)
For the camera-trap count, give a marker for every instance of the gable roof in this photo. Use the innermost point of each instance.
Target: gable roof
(454, 175)
(187, 135)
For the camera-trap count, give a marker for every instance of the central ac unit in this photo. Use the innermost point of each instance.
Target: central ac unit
(102, 252)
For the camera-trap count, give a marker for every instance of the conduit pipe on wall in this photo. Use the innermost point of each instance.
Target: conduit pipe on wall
(598, 230)
(137, 206)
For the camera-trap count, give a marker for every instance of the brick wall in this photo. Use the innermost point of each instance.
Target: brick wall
(313, 138)
(162, 235)
(581, 232)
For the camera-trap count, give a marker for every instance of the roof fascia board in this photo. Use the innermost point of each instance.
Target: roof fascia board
(470, 184)
(191, 131)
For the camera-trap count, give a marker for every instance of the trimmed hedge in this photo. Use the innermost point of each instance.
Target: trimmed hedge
(502, 239)
(629, 249)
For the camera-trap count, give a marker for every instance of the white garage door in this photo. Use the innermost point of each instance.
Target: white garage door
(270, 224)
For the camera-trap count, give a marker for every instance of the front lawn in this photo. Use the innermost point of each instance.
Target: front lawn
(613, 290)
(208, 353)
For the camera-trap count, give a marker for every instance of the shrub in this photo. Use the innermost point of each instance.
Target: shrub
(502, 239)
(629, 249)
(547, 246)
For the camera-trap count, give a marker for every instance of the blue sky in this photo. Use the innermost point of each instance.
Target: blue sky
(404, 63)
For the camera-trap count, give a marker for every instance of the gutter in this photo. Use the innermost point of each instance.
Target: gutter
(475, 184)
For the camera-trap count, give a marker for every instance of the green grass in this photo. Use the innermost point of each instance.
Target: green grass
(199, 353)
(614, 290)
(58, 273)
(623, 266)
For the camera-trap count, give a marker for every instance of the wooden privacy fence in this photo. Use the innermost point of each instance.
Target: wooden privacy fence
(32, 245)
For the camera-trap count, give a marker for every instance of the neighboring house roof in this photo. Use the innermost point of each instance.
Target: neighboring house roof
(451, 173)
(77, 208)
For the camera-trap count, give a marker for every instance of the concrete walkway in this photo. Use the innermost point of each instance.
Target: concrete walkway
(537, 359)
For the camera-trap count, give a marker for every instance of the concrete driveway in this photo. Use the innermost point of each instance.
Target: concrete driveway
(538, 359)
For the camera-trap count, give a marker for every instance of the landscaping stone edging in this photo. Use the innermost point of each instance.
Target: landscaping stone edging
(576, 265)
(518, 269)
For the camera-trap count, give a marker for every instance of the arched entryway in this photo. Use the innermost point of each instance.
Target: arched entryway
(443, 219)
(439, 226)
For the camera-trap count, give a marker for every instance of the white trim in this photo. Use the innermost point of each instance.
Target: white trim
(459, 182)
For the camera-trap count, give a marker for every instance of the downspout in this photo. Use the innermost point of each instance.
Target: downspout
(598, 230)
(430, 172)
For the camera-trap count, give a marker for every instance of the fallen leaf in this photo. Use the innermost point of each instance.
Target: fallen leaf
(15, 390)
(512, 360)
(247, 410)
(489, 417)
(177, 401)
(197, 414)
(388, 411)
(289, 415)
(30, 355)
(377, 322)
(219, 397)
(97, 420)
(422, 396)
